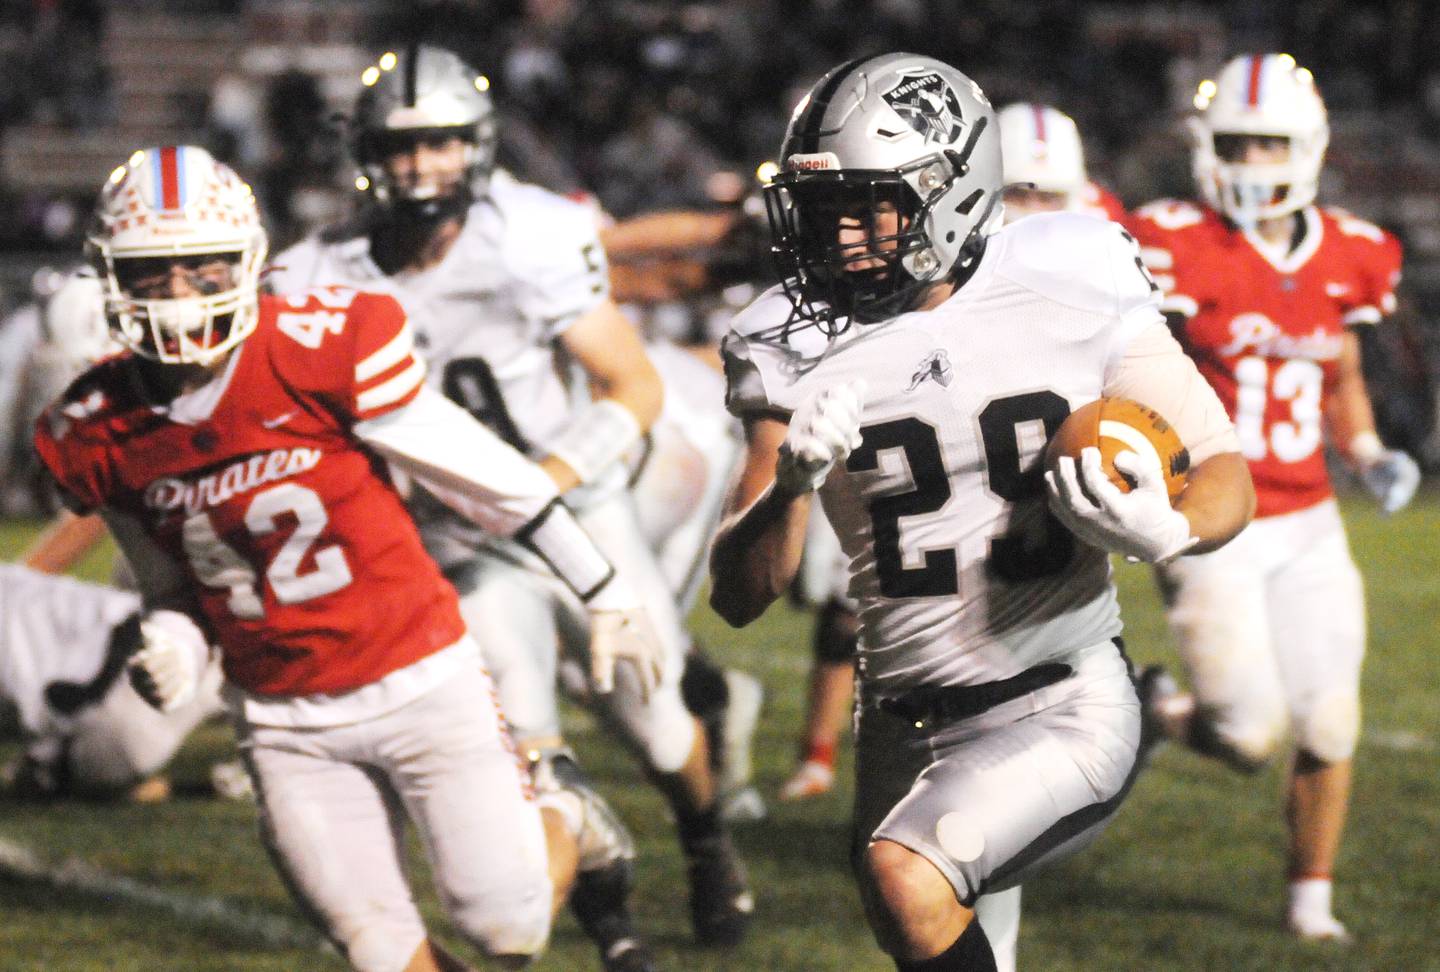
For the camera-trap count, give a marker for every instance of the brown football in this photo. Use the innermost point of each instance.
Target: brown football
(1119, 425)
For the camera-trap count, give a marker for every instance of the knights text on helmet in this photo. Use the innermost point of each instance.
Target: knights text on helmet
(928, 105)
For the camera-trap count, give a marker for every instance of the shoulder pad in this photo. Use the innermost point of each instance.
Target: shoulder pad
(1171, 214)
(1355, 228)
(1075, 259)
(293, 267)
(105, 388)
(551, 247)
(767, 346)
(768, 312)
(529, 209)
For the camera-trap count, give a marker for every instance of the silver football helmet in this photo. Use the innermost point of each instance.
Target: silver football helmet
(898, 134)
(418, 93)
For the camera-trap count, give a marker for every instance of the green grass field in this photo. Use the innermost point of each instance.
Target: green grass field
(1188, 877)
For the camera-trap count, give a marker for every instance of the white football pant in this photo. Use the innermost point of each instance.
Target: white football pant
(334, 800)
(1271, 631)
(990, 799)
(520, 613)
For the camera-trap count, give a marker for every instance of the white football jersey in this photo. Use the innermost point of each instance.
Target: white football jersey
(962, 574)
(53, 629)
(526, 265)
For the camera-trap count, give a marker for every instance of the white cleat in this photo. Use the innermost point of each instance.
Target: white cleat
(230, 781)
(1317, 928)
(743, 806)
(812, 779)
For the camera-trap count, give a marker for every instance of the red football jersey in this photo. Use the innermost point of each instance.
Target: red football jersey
(1267, 330)
(304, 559)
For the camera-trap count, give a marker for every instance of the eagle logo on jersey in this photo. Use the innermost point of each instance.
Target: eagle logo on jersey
(935, 365)
(929, 106)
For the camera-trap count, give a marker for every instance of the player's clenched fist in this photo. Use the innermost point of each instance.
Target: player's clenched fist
(167, 668)
(823, 430)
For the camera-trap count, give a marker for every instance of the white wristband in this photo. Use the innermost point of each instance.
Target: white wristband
(569, 551)
(615, 595)
(597, 438)
(1366, 448)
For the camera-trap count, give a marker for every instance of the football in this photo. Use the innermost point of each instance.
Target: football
(1117, 425)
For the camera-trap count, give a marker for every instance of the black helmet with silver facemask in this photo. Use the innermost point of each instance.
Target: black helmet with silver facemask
(897, 133)
(417, 94)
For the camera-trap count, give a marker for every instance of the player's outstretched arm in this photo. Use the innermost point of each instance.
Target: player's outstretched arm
(482, 477)
(1390, 475)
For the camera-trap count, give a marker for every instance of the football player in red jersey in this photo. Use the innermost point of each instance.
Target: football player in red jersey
(1266, 289)
(1045, 165)
(235, 452)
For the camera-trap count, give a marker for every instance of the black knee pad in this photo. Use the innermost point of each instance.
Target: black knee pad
(702, 685)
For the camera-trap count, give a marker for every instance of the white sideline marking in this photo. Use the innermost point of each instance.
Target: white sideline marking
(76, 875)
(1402, 740)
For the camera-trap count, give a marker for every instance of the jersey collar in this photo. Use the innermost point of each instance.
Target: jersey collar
(196, 406)
(1280, 255)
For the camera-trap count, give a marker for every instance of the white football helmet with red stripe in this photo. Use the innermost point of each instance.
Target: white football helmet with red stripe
(1260, 94)
(166, 204)
(1040, 146)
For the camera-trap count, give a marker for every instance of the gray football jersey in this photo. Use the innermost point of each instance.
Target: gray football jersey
(961, 573)
(526, 265)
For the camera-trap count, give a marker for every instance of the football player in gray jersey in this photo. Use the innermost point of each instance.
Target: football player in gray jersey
(910, 369)
(506, 286)
(86, 731)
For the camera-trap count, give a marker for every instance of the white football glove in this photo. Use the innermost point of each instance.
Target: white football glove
(823, 430)
(1140, 524)
(1392, 478)
(625, 636)
(167, 668)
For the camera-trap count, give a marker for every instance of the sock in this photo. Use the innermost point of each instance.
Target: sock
(701, 832)
(814, 751)
(969, 953)
(599, 903)
(1310, 896)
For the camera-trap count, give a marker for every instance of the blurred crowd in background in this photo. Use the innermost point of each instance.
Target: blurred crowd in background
(646, 105)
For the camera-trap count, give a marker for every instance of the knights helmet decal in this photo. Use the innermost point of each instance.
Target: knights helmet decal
(929, 105)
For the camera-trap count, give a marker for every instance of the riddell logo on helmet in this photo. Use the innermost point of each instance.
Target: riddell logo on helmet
(813, 162)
